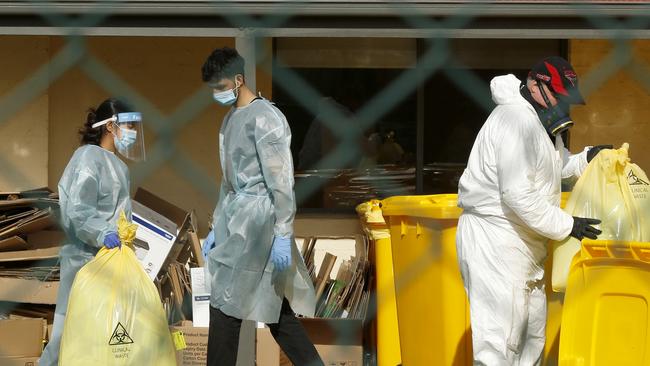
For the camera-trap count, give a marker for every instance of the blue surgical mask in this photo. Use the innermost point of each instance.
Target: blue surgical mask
(227, 97)
(126, 140)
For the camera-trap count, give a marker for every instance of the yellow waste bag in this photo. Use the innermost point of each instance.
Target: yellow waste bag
(114, 315)
(614, 190)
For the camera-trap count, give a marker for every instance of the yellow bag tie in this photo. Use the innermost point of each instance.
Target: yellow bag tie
(376, 224)
(179, 340)
(126, 230)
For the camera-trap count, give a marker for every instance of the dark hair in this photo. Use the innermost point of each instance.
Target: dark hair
(108, 108)
(222, 63)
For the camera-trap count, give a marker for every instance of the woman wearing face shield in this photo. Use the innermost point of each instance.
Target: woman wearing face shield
(93, 191)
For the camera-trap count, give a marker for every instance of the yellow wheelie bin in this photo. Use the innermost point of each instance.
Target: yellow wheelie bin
(375, 227)
(432, 309)
(554, 301)
(606, 317)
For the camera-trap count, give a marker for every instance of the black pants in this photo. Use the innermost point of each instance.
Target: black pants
(223, 339)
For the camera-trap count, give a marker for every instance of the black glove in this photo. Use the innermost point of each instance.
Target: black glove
(582, 228)
(595, 150)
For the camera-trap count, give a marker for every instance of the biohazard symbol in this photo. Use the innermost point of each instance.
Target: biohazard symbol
(120, 336)
(633, 180)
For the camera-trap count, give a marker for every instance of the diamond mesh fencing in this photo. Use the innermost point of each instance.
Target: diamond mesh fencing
(362, 128)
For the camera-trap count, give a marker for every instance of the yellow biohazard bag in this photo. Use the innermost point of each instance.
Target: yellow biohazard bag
(613, 190)
(114, 315)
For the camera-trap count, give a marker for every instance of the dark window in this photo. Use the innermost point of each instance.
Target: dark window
(383, 159)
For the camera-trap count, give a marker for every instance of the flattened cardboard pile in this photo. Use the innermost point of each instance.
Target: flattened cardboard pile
(29, 246)
(348, 294)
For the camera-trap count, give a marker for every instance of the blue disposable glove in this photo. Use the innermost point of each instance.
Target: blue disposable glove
(281, 253)
(111, 240)
(208, 244)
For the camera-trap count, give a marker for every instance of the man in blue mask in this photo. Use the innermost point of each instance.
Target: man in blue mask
(256, 271)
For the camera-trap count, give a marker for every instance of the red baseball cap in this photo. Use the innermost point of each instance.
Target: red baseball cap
(560, 77)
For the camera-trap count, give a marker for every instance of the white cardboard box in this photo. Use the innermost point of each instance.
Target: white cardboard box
(200, 298)
(166, 224)
(153, 239)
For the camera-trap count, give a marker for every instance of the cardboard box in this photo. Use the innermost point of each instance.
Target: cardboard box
(38, 220)
(21, 338)
(45, 239)
(336, 355)
(196, 339)
(28, 291)
(338, 342)
(30, 255)
(267, 351)
(153, 239)
(19, 361)
(162, 229)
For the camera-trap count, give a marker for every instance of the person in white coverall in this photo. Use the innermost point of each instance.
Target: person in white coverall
(510, 196)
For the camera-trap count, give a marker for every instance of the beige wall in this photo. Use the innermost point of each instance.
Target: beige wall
(618, 110)
(23, 134)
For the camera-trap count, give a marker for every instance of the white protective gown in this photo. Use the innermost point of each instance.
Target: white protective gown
(256, 202)
(93, 190)
(510, 194)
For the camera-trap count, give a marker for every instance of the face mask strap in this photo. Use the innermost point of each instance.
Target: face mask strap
(235, 90)
(549, 105)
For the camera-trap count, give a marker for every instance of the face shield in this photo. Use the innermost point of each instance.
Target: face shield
(128, 136)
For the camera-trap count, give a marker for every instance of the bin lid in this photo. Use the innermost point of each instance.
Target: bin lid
(437, 206)
(613, 249)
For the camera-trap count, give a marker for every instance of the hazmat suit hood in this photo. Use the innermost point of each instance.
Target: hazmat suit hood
(505, 90)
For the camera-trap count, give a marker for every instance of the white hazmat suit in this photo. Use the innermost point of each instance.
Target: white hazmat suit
(510, 194)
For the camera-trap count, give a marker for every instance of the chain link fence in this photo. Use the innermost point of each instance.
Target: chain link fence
(356, 131)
